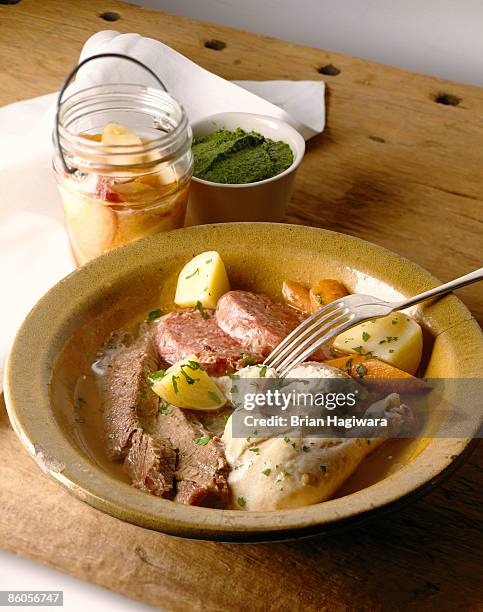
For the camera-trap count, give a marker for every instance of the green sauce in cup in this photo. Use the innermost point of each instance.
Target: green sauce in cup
(237, 157)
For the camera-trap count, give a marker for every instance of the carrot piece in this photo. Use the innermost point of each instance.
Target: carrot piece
(377, 373)
(374, 368)
(296, 295)
(324, 292)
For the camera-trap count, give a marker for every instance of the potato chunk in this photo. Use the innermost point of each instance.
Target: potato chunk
(186, 385)
(396, 339)
(203, 280)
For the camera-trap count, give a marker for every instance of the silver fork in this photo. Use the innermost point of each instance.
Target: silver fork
(342, 314)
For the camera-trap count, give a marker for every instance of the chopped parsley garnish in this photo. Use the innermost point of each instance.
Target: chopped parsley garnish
(194, 365)
(365, 336)
(174, 380)
(202, 441)
(323, 468)
(164, 408)
(241, 502)
(306, 449)
(286, 474)
(155, 376)
(391, 350)
(361, 350)
(263, 371)
(348, 364)
(247, 360)
(233, 376)
(187, 377)
(394, 322)
(197, 271)
(267, 472)
(287, 440)
(234, 389)
(199, 307)
(255, 450)
(154, 314)
(208, 261)
(214, 396)
(361, 370)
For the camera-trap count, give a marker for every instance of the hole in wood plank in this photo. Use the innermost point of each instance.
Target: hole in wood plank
(9, 1)
(447, 99)
(216, 45)
(110, 16)
(330, 69)
(377, 139)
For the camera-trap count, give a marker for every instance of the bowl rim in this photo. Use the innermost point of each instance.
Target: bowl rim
(28, 406)
(298, 156)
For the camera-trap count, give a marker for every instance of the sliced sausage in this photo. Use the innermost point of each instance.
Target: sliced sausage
(185, 332)
(256, 320)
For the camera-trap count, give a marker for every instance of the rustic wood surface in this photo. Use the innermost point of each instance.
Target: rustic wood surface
(400, 164)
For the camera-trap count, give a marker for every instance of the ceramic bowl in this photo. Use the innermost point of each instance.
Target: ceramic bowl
(260, 201)
(60, 336)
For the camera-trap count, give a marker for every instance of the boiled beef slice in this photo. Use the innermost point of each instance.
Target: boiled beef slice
(151, 463)
(202, 469)
(129, 403)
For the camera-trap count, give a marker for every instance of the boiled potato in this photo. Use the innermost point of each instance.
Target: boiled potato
(203, 281)
(396, 339)
(186, 385)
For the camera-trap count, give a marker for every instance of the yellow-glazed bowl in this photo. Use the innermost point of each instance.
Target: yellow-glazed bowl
(60, 336)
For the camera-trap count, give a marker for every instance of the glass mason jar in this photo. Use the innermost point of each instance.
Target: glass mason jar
(131, 187)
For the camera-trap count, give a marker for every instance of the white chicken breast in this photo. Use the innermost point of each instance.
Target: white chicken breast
(293, 471)
(225, 383)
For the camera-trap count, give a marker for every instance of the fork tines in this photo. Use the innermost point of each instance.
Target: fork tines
(309, 336)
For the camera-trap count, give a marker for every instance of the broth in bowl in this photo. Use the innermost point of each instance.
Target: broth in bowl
(159, 404)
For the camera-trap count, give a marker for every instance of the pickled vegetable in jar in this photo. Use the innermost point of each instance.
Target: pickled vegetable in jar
(130, 148)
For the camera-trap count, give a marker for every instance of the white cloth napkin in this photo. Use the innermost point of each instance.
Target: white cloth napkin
(34, 251)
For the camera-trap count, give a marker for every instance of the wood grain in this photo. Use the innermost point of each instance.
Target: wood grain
(394, 167)
(423, 558)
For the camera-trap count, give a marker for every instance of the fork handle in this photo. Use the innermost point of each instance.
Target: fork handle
(467, 279)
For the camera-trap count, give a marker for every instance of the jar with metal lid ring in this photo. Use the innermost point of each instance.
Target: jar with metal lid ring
(123, 165)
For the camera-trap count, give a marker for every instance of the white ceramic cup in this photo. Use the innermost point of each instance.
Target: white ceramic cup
(264, 200)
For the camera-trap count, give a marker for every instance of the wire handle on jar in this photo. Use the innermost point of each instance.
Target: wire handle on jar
(69, 78)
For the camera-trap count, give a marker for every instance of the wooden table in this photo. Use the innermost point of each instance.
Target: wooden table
(400, 164)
